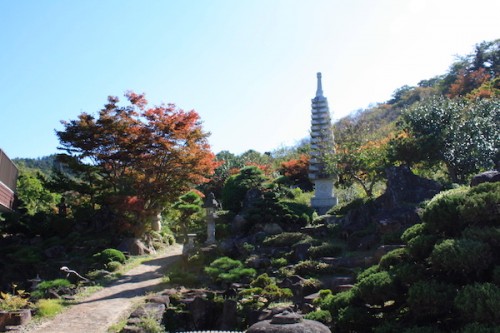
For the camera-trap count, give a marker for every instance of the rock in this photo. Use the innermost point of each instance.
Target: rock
(288, 322)
(200, 312)
(57, 251)
(343, 287)
(229, 319)
(403, 187)
(490, 176)
(300, 251)
(135, 247)
(239, 225)
(154, 310)
(160, 299)
(272, 228)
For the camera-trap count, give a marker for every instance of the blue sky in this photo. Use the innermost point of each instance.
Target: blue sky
(248, 67)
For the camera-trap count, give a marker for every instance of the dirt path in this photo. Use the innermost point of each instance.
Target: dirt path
(108, 306)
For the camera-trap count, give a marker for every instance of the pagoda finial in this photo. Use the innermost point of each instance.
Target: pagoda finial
(319, 91)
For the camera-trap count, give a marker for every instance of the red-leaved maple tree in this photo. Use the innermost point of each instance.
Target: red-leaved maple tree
(150, 153)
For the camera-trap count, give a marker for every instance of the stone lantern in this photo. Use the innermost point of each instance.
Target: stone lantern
(288, 322)
(210, 205)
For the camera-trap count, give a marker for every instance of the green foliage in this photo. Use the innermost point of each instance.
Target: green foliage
(108, 255)
(287, 239)
(479, 328)
(430, 299)
(261, 281)
(461, 257)
(322, 316)
(376, 288)
(190, 208)
(413, 231)
(44, 286)
(48, 308)
(271, 209)
(479, 302)
(462, 134)
(421, 246)
(15, 301)
(34, 196)
(442, 214)
(324, 250)
(237, 186)
(113, 266)
(311, 268)
(369, 271)
(393, 258)
(229, 270)
(150, 324)
(279, 262)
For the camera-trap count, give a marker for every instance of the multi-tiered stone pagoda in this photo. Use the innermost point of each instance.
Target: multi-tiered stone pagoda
(322, 145)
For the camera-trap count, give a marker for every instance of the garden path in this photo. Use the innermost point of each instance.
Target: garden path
(96, 313)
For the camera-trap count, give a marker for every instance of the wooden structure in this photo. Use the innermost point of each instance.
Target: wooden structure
(8, 180)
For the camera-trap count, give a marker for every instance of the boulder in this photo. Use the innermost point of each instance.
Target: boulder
(485, 177)
(288, 322)
(135, 247)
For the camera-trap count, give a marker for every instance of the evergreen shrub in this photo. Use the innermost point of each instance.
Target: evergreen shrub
(286, 239)
(108, 255)
(479, 302)
(324, 250)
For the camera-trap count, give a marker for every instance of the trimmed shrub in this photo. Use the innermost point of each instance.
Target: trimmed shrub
(479, 328)
(421, 246)
(44, 286)
(324, 250)
(463, 257)
(311, 267)
(393, 258)
(109, 255)
(286, 239)
(442, 213)
(369, 271)
(413, 231)
(229, 270)
(113, 266)
(429, 299)
(479, 302)
(322, 316)
(376, 288)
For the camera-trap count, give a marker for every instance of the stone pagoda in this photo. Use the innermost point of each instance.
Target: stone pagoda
(322, 145)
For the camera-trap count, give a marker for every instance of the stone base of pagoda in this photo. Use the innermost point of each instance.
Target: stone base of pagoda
(324, 198)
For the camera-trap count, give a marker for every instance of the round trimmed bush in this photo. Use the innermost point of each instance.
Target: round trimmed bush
(109, 255)
(464, 257)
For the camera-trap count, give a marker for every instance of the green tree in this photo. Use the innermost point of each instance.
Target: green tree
(462, 134)
(359, 158)
(189, 206)
(238, 185)
(35, 197)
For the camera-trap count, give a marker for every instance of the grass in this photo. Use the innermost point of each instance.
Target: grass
(48, 308)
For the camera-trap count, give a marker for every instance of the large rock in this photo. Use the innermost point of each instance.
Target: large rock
(135, 247)
(288, 322)
(485, 177)
(403, 187)
(229, 319)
